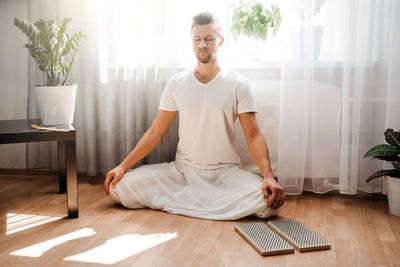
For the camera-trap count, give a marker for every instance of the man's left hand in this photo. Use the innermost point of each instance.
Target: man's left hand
(277, 194)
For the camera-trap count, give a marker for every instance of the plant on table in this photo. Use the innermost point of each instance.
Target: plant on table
(53, 49)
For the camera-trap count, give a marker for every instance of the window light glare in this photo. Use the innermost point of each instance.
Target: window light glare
(121, 247)
(20, 222)
(38, 249)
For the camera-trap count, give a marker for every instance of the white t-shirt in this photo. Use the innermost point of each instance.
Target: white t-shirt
(207, 113)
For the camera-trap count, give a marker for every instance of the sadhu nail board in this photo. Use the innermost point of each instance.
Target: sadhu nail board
(263, 239)
(279, 236)
(298, 235)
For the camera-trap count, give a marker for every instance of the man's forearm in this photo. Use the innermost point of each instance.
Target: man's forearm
(259, 151)
(145, 145)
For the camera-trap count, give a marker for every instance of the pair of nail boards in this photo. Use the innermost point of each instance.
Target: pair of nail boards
(279, 236)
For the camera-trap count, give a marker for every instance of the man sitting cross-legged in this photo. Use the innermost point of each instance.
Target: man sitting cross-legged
(205, 180)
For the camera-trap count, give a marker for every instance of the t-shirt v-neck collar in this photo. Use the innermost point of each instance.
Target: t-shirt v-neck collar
(205, 84)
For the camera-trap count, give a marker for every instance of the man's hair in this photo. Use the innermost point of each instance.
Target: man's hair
(205, 18)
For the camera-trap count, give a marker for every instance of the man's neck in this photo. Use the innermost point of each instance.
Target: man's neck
(209, 69)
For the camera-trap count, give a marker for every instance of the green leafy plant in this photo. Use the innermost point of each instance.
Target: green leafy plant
(389, 153)
(254, 20)
(52, 48)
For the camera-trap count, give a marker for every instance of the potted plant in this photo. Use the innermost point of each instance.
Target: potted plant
(54, 52)
(255, 20)
(389, 152)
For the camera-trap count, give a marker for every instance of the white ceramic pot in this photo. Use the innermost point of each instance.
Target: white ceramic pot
(56, 103)
(393, 194)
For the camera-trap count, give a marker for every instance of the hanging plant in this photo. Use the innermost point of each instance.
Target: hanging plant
(254, 20)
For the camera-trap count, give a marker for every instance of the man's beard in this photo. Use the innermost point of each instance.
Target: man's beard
(204, 60)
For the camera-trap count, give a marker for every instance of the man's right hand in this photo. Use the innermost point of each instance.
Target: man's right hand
(117, 173)
(145, 145)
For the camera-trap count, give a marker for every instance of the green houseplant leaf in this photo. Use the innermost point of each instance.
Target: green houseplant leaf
(388, 152)
(52, 48)
(392, 173)
(383, 151)
(392, 137)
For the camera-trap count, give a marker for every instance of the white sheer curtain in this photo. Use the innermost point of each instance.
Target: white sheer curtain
(123, 65)
(337, 99)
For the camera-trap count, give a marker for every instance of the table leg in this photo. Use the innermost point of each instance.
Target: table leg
(72, 183)
(61, 166)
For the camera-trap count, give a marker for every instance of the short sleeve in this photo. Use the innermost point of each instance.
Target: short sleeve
(245, 99)
(167, 101)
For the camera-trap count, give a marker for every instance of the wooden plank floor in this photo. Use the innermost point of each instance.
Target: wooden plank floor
(359, 228)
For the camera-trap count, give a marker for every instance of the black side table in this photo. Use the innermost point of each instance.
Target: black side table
(19, 131)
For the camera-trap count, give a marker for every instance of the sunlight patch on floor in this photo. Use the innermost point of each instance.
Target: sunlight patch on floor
(19, 222)
(38, 249)
(121, 247)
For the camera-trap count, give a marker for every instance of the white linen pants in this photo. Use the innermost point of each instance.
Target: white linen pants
(227, 193)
